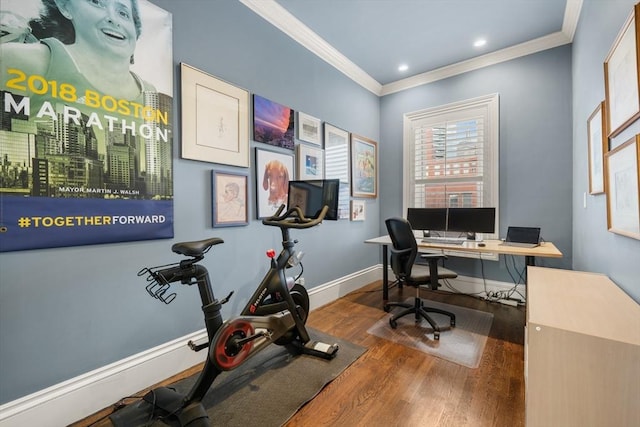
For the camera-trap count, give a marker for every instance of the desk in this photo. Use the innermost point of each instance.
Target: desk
(546, 249)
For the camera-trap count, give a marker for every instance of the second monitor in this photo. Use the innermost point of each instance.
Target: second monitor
(471, 221)
(463, 220)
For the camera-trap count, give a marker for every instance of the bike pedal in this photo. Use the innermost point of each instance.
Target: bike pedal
(320, 349)
(198, 346)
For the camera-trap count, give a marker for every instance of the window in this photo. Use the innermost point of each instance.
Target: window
(451, 155)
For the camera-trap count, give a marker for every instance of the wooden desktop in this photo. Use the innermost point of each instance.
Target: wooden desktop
(545, 249)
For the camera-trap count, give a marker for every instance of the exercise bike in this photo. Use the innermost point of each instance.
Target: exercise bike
(276, 313)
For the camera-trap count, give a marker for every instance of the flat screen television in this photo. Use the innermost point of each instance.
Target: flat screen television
(472, 220)
(312, 195)
(427, 219)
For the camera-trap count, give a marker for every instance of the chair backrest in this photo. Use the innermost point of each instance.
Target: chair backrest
(403, 239)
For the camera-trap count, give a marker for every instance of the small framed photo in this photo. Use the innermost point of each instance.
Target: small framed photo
(273, 123)
(621, 77)
(215, 119)
(364, 167)
(229, 196)
(309, 129)
(598, 146)
(310, 162)
(273, 172)
(623, 192)
(357, 210)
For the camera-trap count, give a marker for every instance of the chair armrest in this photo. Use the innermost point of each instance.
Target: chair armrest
(399, 251)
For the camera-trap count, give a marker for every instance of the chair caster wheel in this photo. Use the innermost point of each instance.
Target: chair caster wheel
(386, 308)
(393, 323)
(436, 336)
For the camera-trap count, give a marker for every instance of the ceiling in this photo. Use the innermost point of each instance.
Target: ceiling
(368, 39)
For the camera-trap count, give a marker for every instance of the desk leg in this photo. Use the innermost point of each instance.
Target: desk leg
(385, 274)
(528, 260)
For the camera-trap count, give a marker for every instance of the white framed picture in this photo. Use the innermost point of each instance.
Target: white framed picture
(357, 210)
(310, 162)
(309, 129)
(623, 190)
(215, 119)
(273, 172)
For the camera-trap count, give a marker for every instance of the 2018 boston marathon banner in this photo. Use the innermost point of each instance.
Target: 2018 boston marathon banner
(86, 98)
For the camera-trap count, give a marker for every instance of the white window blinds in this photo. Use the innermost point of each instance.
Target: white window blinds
(451, 155)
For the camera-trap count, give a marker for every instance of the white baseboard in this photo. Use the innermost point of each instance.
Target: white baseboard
(79, 397)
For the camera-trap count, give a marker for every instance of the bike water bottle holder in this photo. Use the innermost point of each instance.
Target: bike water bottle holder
(158, 286)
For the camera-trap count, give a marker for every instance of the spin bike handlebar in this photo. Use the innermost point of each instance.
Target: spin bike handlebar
(294, 218)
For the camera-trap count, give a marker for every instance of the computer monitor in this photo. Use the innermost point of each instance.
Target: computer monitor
(471, 220)
(427, 219)
(312, 195)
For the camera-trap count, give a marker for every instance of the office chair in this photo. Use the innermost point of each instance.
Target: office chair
(403, 256)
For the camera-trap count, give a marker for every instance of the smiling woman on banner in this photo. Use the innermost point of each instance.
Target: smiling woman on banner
(87, 44)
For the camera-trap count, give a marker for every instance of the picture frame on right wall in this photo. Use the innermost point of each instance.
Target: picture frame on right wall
(598, 146)
(623, 192)
(621, 77)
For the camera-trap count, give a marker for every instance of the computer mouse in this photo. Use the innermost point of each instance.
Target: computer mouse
(481, 245)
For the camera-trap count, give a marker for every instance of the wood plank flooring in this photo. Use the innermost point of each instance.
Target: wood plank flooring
(393, 385)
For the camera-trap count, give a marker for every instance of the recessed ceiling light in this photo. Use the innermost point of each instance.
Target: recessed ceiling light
(479, 42)
(403, 67)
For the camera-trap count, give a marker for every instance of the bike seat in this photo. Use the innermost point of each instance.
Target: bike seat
(197, 248)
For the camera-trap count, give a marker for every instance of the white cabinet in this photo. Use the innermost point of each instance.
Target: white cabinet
(582, 351)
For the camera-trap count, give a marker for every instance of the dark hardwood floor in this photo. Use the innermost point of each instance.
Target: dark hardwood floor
(393, 385)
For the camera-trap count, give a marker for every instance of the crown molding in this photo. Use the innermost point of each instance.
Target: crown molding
(280, 18)
(537, 45)
(571, 17)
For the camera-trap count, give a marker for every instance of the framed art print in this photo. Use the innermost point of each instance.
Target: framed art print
(273, 123)
(229, 197)
(309, 129)
(623, 191)
(364, 167)
(273, 172)
(215, 119)
(336, 164)
(598, 146)
(621, 74)
(357, 210)
(310, 162)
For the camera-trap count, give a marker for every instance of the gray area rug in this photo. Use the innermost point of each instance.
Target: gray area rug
(273, 385)
(462, 344)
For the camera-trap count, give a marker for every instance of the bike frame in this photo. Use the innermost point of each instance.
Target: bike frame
(261, 322)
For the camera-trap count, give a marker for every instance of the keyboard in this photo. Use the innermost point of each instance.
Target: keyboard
(444, 240)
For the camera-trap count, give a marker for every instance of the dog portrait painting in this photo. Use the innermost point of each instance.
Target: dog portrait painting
(273, 172)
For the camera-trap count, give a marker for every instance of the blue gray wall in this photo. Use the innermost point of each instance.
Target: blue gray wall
(595, 248)
(64, 312)
(535, 148)
(68, 311)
